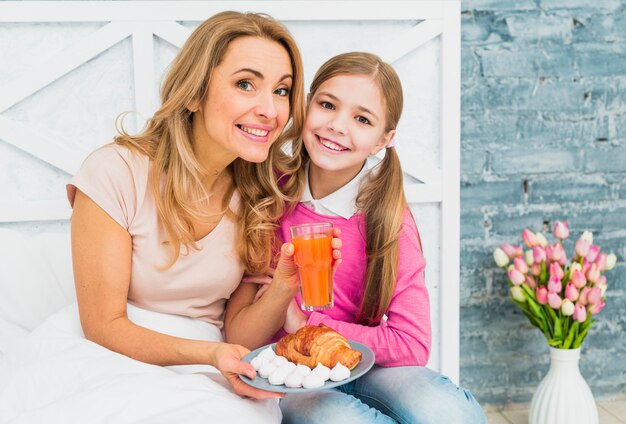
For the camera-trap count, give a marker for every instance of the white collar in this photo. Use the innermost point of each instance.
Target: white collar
(339, 203)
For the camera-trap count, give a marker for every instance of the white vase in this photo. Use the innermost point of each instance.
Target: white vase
(563, 396)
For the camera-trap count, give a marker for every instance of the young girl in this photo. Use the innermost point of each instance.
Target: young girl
(380, 295)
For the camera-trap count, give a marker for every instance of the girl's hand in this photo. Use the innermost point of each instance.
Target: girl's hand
(227, 359)
(296, 319)
(286, 273)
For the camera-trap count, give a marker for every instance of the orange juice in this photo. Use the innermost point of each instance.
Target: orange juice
(313, 256)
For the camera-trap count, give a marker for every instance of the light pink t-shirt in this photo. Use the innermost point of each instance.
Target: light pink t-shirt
(199, 282)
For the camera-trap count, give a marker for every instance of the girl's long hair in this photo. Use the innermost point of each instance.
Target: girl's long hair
(381, 197)
(167, 140)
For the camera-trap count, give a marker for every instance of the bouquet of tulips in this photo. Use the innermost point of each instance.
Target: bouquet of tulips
(558, 297)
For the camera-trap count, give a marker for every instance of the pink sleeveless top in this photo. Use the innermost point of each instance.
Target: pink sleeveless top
(199, 282)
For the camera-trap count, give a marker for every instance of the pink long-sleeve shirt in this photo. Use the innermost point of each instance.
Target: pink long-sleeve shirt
(404, 338)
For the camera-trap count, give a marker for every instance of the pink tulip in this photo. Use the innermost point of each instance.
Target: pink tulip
(511, 250)
(554, 300)
(601, 261)
(594, 296)
(595, 308)
(520, 265)
(561, 230)
(529, 238)
(554, 285)
(571, 292)
(542, 295)
(516, 277)
(556, 271)
(584, 294)
(530, 282)
(582, 248)
(578, 278)
(536, 270)
(593, 253)
(580, 313)
(555, 253)
(586, 266)
(593, 274)
(567, 307)
(539, 254)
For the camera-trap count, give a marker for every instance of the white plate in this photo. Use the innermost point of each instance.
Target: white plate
(366, 363)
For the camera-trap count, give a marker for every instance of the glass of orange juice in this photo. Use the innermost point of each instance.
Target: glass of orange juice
(313, 256)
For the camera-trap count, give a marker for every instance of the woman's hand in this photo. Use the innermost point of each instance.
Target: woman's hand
(227, 359)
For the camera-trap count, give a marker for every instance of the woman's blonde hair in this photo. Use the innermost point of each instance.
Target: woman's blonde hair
(381, 197)
(167, 140)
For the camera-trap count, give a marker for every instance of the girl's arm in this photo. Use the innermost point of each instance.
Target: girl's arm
(405, 338)
(101, 256)
(252, 324)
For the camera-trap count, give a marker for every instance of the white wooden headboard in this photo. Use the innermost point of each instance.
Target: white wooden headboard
(70, 67)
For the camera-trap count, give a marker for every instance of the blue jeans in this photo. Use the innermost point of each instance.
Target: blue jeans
(412, 395)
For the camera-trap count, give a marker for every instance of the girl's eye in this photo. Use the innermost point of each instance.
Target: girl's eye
(244, 85)
(363, 120)
(326, 105)
(283, 92)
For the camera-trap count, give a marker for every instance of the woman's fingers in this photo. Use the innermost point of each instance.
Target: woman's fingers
(260, 292)
(257, 279)
(230, 365)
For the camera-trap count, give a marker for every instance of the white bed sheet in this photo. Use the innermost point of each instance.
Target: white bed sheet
(49, 373)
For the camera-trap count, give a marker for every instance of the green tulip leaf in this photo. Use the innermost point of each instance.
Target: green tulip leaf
(558, 330)
(570, 335)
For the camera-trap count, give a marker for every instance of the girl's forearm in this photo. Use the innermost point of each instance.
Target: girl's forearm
(254, 325)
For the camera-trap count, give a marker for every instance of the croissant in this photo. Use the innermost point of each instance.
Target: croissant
(311, 345)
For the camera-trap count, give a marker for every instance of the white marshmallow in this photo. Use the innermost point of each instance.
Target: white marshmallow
(288, 367)
(279, 360)
(303, 370)
(266, 369)
(321, 371)
(267, 353)
(293, 380)
(339, 372)
(312, 381)
(277, 377)
(256, 363)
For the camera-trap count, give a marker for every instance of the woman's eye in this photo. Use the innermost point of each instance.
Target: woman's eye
(362, 120)
(326, 105)
(283, 92)
(244, 85)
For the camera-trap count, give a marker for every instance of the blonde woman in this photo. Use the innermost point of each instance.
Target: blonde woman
(195, 190)
(380, 296)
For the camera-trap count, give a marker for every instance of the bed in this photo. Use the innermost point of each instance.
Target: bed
(101, 58)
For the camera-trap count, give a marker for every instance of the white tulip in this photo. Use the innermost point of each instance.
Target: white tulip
(500, 257)
(611, 260)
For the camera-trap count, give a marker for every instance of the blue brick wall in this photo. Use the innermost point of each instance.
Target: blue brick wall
(543, 102)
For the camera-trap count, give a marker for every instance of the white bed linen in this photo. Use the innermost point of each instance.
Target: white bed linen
(55, 375)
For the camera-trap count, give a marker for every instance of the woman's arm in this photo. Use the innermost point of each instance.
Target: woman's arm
(101, 255)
